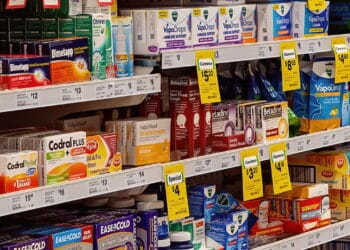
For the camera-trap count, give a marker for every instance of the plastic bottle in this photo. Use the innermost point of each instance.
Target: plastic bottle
(164, 244)
(181, 241)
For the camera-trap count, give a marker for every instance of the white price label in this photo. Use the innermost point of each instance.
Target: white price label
(170, 61)
(339, 231)
(135, 178)
(314, 239)
(123, 88)
(203, 166)
(98, 186)
(230, 161)
(23, 202)
(262, 153)
(71, 94)
(301, 145)
(265, 51)
(347, 136)
(103, 91)
(329, 139)
(56, 195)
(144, 86)
(288, 245)
(28, 99)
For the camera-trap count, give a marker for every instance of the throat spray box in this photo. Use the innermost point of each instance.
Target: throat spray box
(274, 21)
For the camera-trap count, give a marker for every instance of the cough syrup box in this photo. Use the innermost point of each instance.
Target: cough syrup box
(230, 25)
(204, 26)
(24, 71)
(65, 237)
(25, 242)
(274, 21)
(271, 122)
(101, 154)
(69, 59)
(62, 157)
(184, 106)
(19, 171)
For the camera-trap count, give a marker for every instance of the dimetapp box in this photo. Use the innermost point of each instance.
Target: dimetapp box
(274, 21)
(62, 157)
(204, 26)
(230, 25)
(24, 71)
(69, 59)
(19, 171)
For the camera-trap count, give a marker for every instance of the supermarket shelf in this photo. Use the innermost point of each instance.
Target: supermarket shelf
(138, 177)
(232, 53)
(13, 100)
(310, 239)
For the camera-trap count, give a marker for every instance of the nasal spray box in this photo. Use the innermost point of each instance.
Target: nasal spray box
(274, 21)
(230, 25)
(62, 156)
(308, 23)
(123, 46)
(69, 59)
(204, 26)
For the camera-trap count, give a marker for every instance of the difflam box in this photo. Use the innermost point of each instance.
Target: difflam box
(230, 25)
(19, 171)
(204, 26)
(274, 21)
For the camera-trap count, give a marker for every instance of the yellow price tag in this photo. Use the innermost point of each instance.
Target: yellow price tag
(251, 173)
(316, 5)
(279, 168)
(176, 192)
(207, 77)
(342, 59)
(290, 66)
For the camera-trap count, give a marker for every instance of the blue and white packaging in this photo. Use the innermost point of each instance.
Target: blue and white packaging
(222, 234)
(201, 200)
(249, 23)
(230, 29)
(345, 116)
(224, 202)
(147, 229)
(204, 26)
(308, 23)
(274, 21)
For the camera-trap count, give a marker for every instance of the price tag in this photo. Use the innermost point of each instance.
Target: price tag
(103, 91)
(251, 173)
(144, 86)
(314, 240)
(346, 136)
(204, 166)
(16, 4)
(56, 195)
(316, 5)
(342, 60)
(169, 61)
(99, 186)
(300, 146)
(123, 88)
(105, 2)
(71, 94)
(207, 77)
(135, 178)
(23, 202)
(230, 161)
(288, 245)
(265, 51)
(51, 4)
(339, 231)
(279, 168)
(176, 193)
(290, 66)
(28, 99)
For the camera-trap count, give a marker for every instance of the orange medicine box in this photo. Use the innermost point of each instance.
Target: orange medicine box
(69, 59)
(101, 154)
(19, 171)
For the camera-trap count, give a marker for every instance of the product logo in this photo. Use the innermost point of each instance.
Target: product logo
(282, 9)
(220, 114)
(66, 144)
(120, 225)
(327, 173)
(250, 161)
(240, 219)
(333, 205)
(19, 67)
(174, 16)
(205, 14)
(91, 146)
(244, 11)
(329, 72)
(33, 246)
(340, 162)
(222, 200)
(61, 53)
(272, 112)
(329, 88)
(68, 237)
(16, 165)
(232, 229)
(174, 178)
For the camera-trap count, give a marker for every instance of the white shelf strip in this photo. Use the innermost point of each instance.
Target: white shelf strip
(55, 194)
(243, 52)
(13, 100)
(312, 238)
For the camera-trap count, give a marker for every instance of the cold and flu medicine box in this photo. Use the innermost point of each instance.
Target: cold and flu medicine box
(308, 23)
(157, 30)
(339, 203)
(19, 171)
(336, 160)
(300, 190)
(201, 201)
(69, 59)
(62, 156)
(185, 113)
(24, 242)
(24, 71)
(205, 23)
(230, 22)
(274, 21)
(64, 236)
(222, 234)
(101, 153)
(84, 123)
